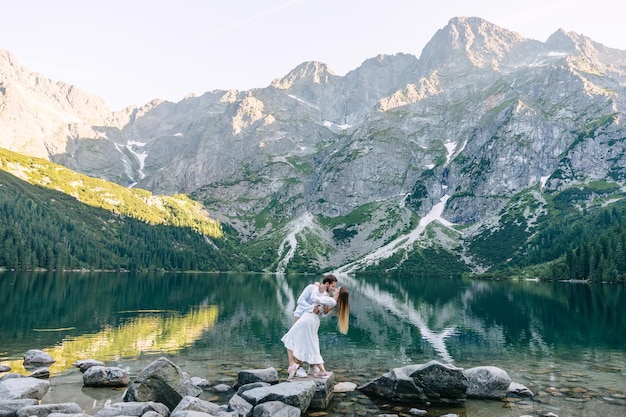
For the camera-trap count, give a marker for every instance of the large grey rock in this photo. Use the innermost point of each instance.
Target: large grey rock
(8, 408)
(432, 382)
(104, 376)
(41, 373)
(487, 382)
(269, 375)
(520, 390)
(240, 406)
(324, 392)
(161, 381)
(195, 404)
(252, 385)
(36, 357)
(44, 409)
(133, 409)
(297, 394)
(276, 409)
(23, 388)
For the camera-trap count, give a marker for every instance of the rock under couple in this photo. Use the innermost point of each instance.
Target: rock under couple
(302, 341)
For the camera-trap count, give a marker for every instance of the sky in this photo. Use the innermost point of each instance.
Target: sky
(131, 51)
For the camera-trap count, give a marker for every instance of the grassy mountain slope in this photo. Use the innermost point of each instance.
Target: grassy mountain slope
(176, 210)
(54, 218)
(575, 233)
(47, 229)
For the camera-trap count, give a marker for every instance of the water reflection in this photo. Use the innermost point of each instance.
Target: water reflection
(403, 307)
(149, 331)
(444, 319)
(543, 334)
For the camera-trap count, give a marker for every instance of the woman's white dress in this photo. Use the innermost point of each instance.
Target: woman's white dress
(302, 339)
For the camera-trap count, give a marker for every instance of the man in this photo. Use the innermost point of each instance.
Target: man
(307, 304)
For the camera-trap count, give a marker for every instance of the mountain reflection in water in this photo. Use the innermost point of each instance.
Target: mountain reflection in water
(162, 332)
(544, 334)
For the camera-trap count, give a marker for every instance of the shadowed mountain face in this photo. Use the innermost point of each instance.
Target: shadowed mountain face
(486, 119)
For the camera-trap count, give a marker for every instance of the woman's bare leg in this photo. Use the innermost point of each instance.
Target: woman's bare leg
(290, 357)
(293, 364)
(320, 367)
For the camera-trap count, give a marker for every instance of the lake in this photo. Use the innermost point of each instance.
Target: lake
(564, 341)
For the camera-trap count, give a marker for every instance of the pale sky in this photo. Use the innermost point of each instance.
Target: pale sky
(131, 51)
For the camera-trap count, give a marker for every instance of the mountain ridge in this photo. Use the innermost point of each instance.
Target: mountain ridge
(482, 117)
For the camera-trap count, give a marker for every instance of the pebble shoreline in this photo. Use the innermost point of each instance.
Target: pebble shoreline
(345, 403)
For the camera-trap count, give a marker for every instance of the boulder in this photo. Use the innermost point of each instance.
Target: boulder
(519, 390)
(240, 406)
(8, 408)
(37, 357)
(276, 409)
(133, 409)
(297, 394)
(269, 375)
(430, 383)
(5, 368)
(44, 410)
(161, 381)
(104, 376)
(23, 388)
(41, 373)
(324, 392)
(247, 387)
(487, 382)
(190, 403)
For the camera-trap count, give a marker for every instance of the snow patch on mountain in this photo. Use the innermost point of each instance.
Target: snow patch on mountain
(306, 103)
(329, 124)
(134, 147)
(405, 310)
(295, 227)
(402, 242)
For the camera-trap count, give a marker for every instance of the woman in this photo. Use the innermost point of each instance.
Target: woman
(302, 341)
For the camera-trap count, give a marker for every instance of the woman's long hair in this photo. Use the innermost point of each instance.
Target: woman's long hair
(343, 310)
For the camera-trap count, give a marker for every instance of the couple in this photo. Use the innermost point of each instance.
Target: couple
(302, 341)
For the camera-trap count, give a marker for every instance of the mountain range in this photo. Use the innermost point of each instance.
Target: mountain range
(462, 154)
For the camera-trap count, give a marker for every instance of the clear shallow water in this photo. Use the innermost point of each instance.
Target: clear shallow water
(564, 341)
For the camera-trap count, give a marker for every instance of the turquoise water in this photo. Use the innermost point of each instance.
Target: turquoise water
(564, 341)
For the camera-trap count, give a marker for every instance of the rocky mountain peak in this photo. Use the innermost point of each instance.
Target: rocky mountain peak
(561, 41)
(39, 116)
(305, 73)
(468, 42)
(585, 54)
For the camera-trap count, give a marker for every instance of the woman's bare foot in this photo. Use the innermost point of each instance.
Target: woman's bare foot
(292, 371)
